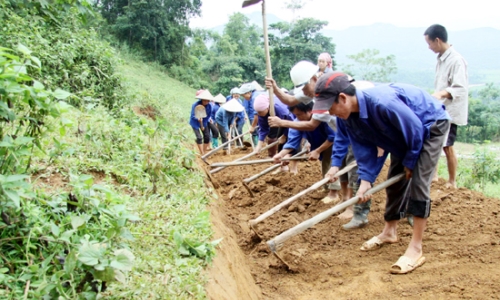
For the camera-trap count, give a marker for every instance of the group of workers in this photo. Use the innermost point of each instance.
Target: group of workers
(344, 120)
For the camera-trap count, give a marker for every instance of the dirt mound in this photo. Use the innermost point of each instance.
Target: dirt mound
(461, 243)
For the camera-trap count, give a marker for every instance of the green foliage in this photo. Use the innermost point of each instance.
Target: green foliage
(292, 42)
(367, 65)
(158, 27)
(72, 56)
(485, 169)
(484, 117)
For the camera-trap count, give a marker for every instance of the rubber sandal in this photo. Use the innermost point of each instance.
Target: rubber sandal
(373, 244)
(405, 265)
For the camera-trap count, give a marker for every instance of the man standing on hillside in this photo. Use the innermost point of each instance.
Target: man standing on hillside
(451, 88)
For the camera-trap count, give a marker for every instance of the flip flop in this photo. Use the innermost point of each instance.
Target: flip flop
(373, 244)
(405, 265)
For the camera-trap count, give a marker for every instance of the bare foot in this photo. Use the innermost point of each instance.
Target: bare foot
(450, 185)
(435, 179)
(347, 214)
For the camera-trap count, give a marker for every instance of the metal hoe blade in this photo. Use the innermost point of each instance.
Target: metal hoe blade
(247, 3)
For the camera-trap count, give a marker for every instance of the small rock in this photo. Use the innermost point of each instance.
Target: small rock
(301, 208)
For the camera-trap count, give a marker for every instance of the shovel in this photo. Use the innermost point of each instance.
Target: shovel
(276, 243)
(200, 113)
(247, 3)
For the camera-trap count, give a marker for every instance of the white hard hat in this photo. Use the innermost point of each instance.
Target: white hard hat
(301, 73)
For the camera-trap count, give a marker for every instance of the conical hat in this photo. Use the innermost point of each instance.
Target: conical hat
(233, 105)
(205, 95)
(220, 99)
(257, 86)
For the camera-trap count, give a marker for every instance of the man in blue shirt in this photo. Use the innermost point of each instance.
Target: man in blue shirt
(399, 119)
(321, 140)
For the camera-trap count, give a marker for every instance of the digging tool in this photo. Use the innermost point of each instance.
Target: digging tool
(288, 201)
(221, 146)
(247, 3)
(254, 162)
(277, 242)
(245, 157)
(270, 169)
(200, 113)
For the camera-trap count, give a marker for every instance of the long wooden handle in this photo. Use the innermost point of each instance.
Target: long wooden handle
(245, 157)
(271, 168)
(254, 162)
(221, 146)
(276, 243)
(250, 125)
(268, 59)
(297, 196)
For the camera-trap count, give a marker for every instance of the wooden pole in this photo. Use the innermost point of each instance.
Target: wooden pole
(268, 58)
(254, 162)
(277, 242)
(221, 146)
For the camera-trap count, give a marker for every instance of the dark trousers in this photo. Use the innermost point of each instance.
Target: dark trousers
(413, 196)
(205, 138)
(213, 130)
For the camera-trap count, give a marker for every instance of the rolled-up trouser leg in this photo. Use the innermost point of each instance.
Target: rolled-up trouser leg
(326, 163)
(420, 203)
(199, 138)
(398, 193)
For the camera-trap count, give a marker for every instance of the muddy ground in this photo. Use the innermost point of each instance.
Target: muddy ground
(461, 244)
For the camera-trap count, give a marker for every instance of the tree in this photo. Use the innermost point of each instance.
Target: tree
(369, 66)
(159, 27)
(292, 42)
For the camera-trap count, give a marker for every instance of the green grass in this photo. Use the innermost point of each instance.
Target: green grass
(467, 160)
(152, 165)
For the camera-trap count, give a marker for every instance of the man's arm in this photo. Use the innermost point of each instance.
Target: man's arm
(284, 97)
(314, 155)
(300, 125)
(459, 83)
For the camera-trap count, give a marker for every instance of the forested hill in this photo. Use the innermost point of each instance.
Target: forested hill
(415, 62)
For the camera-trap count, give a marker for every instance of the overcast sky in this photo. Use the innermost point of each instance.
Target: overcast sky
(343, 14)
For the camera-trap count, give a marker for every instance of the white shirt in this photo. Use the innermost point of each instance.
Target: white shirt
(451, 75)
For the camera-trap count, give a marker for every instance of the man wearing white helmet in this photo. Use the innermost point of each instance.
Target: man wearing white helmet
(304, 76)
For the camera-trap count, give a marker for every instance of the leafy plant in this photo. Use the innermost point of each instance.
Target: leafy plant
(485, 169)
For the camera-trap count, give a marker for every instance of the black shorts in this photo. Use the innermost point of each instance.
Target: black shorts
(452, 135)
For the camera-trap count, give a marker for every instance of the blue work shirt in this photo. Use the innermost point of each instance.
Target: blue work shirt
(193, 121)
(316, 137)
(281, 111)
(248, 105)
(225, 118)
(240, 116)
(394, 117)
(215, 108)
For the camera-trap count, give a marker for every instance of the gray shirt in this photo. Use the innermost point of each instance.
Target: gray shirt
(451, 75)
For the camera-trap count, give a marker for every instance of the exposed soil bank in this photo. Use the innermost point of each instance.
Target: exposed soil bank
(461, 244)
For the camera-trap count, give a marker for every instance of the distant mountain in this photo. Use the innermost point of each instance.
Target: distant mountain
(415, 62)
